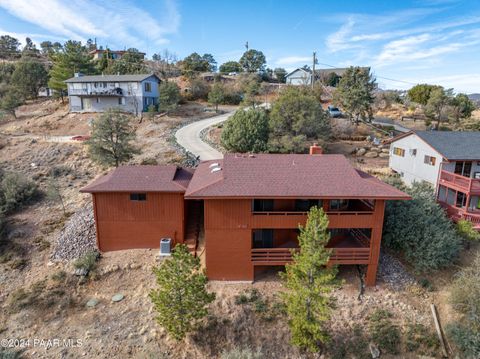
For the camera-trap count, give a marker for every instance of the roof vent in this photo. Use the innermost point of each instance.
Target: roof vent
(215, 164)
(215, 169)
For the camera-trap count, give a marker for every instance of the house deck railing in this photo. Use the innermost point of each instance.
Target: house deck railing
(457, 214)
(298, 213)
(282, 256)
(465, 184)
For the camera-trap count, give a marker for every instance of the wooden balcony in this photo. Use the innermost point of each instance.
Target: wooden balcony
(459, 182)
(337, 219)
(358, 253)
(457, 214)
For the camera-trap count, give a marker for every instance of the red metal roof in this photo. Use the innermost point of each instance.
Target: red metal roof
(142, 179)
(287, 175)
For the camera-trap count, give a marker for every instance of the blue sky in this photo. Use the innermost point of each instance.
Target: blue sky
(434, 41)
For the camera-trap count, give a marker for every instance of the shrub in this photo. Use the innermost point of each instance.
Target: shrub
(466, 230)
(420, 230)
(87, 262)
(242, 353)
(246, 131)
(16, 191)
(420, 339)
(169, 96)
(199, 90)
(383, 332)
(295, 113)
(464, 297)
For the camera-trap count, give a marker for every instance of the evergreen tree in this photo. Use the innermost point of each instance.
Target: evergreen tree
(131, 62)
(230, 66)
(73, 57)
(253, 61)
(246, 131)
(112, 134)
(181, 300)
(9, 47)
(169, 96)
(216, 95)
(309, 281)
(297, 116)
(355, 94)
(11, 99)
(280, 74)
(29, 76)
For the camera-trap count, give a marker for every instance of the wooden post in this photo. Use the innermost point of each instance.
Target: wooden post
(439, 329)
(375, 241)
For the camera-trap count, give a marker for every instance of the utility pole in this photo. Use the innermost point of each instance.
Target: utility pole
(246, 45)
(313, 68)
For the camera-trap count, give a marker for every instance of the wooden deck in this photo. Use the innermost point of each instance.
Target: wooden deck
(459, 182)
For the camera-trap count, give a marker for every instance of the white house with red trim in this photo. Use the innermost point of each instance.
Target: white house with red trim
(449, 160)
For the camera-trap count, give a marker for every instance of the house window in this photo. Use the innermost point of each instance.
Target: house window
(413, 152)
(97, 99)
(463, 168)
(138, 196)
(104, 84)
(339, 204)
(399, 151)
(148, 87)
(121, 100)
(461, 200)
(262, 205)
(429, 160)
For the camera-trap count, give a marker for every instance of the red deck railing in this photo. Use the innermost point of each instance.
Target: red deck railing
(281, 256)
(330, 213)
(465, 184)
(457, 214)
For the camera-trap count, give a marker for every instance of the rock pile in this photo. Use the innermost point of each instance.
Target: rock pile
(381, 151)
(392, 271)
(77, 238)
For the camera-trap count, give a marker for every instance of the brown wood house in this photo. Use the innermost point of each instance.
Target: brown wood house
(248, 209)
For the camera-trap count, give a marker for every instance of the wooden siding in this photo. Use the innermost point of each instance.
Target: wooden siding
(228, 233)
(126, 224)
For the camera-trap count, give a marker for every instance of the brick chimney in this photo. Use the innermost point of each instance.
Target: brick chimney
(316, 149)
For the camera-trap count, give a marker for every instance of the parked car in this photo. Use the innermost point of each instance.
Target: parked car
(334, 111)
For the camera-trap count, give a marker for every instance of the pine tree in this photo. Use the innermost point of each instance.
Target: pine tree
(29, 76)
(182, 298)
(169, 96)
(110, 143)
(216, 95)
(73, 57)
(309, 281)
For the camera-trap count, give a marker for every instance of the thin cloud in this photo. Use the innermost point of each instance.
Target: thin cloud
(113, 21)
(293, 60)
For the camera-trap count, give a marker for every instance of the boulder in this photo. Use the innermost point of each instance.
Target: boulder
(361, 151)
(384, 155)
(371, 154)
(118, 297)
(385, 150)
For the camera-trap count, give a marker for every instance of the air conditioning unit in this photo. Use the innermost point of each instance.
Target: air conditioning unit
(165, 247)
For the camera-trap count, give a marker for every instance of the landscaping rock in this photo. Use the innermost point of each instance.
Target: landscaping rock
(118, 297)
(385, 150)
(392, 271)
(92, 303)
(77, 237)
(375, 149)
(384, 155)
(361, 151)
(371, 154)
(374, 351)
(81, 272)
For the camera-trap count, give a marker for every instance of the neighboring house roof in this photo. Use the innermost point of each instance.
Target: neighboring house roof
(113, 51)
(112, 78)
(168, 178)
(286, 175)
(452, 145)
(325, 72)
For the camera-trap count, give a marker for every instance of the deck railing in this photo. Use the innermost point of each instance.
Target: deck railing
(281, 256)
(457, 214)
(330, 213)
(466, 184)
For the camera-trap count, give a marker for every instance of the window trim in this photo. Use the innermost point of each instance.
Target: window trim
(429, 160)
(398, 151)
